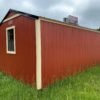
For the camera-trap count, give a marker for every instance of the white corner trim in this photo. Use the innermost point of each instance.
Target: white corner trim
(38, 54)
(14, 16)
(10, 52)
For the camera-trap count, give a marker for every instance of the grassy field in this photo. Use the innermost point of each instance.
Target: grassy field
(83, 86)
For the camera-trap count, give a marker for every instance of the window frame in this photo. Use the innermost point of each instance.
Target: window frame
(7, 51)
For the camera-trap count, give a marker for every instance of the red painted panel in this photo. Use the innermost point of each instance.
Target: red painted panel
(22, 65)
(67, 50)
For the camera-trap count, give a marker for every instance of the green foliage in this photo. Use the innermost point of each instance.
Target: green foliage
(98, 29)
(83, 86)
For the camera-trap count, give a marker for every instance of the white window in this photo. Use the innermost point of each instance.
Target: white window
(10, 40)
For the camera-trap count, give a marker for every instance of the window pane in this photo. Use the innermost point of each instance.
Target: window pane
(11, 40)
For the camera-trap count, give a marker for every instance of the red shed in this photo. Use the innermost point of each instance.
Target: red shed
(39, 50)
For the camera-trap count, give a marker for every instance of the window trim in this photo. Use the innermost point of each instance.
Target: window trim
(7, 51)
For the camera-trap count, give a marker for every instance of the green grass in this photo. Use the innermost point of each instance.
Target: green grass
(83, 86)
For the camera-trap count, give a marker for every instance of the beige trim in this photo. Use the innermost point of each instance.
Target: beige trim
(10, 52)
(12, 17)
(38, 54)
(65, 24)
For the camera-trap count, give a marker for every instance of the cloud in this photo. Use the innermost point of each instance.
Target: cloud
(91, 14)
(45, 3)
(86, 10)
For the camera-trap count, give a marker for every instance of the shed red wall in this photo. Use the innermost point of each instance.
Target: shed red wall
(21, 65)
(67, 50)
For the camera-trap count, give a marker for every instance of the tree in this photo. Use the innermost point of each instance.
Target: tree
(98, 29)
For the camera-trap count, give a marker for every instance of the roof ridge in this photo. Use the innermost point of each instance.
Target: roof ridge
(22, 13)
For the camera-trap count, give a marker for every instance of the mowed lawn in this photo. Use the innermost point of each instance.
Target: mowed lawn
(83, 86)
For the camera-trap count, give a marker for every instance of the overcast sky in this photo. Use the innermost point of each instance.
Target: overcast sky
(87, 11)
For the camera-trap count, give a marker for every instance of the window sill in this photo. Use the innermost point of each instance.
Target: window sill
(11, 52)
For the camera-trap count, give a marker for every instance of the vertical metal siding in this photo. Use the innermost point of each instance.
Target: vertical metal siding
(67, 50)
(21, 65)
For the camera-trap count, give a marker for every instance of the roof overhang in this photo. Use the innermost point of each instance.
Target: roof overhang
(20, 13)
